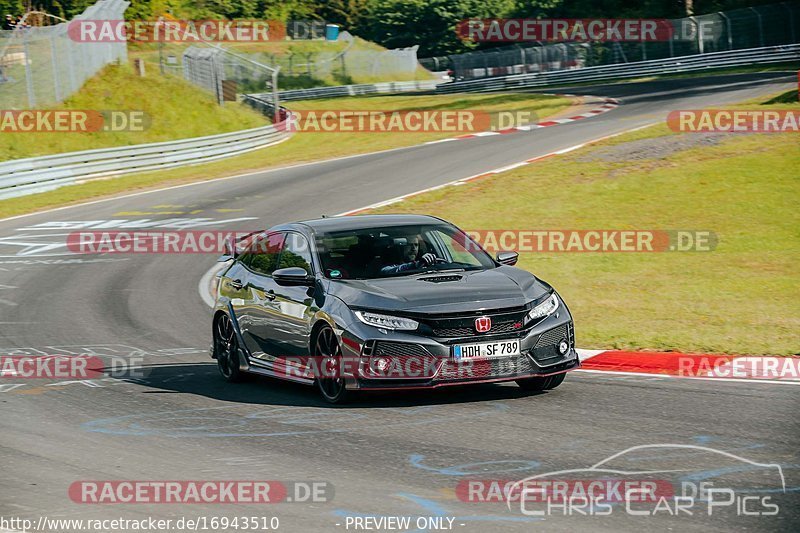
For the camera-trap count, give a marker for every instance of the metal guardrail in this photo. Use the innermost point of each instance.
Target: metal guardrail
(353, 90)
(39, 174)
(673, 65)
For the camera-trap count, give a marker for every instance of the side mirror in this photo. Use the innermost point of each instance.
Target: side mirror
(293, 277)
(507, 258)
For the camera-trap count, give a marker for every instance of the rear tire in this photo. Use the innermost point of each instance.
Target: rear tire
(541, 384)
(226, 348)
(331, 385)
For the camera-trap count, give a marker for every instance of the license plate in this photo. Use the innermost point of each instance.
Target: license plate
(486, 350)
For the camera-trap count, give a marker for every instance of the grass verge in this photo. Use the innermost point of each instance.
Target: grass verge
(740, 298)
(302, 147)
(187, 112)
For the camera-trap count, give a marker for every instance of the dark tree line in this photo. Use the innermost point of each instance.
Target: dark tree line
(396, 23)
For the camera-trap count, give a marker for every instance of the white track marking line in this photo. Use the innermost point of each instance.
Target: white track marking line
(584, 354)
(510, 167)
(460, 181)
(570, 149)
(204, 286)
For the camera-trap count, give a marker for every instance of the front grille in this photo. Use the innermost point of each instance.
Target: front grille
(464, 325)
(485, 368)
(508, 327)
(546, 349)
(397, 349)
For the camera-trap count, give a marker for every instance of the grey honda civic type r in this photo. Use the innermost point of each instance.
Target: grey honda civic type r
(378, 302)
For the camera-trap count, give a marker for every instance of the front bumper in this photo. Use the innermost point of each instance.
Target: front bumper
(438, 368)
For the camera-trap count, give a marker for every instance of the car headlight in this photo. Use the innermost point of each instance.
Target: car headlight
(386, 321)
(546, 308)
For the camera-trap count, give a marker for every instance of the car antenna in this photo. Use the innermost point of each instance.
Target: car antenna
(324, 216)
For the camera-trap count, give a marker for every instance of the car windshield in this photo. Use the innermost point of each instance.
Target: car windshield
(399, 251)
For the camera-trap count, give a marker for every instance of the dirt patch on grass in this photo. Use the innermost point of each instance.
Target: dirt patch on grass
(654, 148)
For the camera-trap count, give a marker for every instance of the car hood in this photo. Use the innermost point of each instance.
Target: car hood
(475, 290)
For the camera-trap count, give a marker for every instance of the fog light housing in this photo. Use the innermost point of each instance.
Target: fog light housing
(382, 364)
(563, 347)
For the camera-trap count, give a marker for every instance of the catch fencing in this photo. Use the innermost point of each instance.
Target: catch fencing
(677, 65)
(42, 66)
(753, 27)
(226, 73)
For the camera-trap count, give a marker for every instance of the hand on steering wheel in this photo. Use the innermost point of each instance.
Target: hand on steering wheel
(428, 259)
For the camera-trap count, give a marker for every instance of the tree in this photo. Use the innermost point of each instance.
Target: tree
(11, 7)
(431, 24)
(347, 13)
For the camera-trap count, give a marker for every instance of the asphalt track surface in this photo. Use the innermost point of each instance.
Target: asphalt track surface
(388, 455)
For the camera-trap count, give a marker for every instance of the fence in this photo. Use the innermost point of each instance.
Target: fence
(225, 73)
(41, 66)
(697, 62)
(754, 27)
(209, 67)
(346, 64)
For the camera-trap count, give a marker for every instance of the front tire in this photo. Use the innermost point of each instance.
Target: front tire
(226, 348)
(331, 384)
(541, 384)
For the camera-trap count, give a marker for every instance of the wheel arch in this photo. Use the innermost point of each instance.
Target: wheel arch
(321, 321)
(227, 312)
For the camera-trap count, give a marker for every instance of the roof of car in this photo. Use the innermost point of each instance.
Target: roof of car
(345, 223)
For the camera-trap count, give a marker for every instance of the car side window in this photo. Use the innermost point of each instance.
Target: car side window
(263, 258)
(296, 253)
